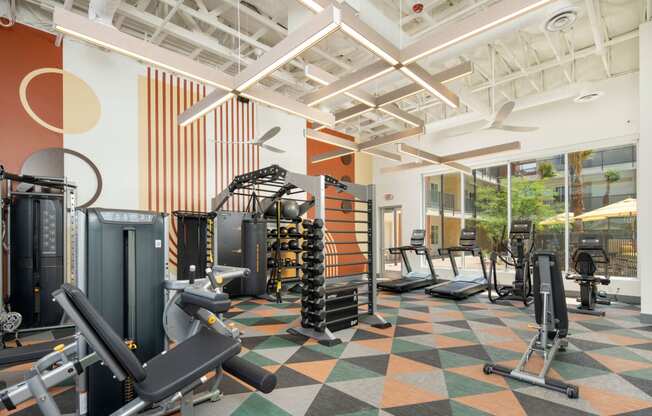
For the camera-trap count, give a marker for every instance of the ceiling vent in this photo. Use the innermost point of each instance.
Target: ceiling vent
(561, 19)
(588, 96)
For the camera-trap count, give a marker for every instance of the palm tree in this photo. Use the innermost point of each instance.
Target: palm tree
(576, 163)
(611, 176)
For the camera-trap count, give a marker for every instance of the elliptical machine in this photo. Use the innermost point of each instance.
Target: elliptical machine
(588, 255)
(518, 254)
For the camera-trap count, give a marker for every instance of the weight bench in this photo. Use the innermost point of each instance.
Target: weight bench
(166, 379)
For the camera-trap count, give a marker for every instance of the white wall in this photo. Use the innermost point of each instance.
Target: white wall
(113, 143)
(564, 126)
(291, 138)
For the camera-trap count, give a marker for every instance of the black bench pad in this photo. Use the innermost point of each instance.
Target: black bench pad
(219, 303)
(173, 371)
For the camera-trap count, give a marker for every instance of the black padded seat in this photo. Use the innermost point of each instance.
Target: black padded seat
(176, 369)
(216, 303)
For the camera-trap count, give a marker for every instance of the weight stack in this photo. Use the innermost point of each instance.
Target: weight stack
(341, 308)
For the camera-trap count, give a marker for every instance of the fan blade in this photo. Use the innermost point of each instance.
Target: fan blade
(272, 148)
(522, 129)
(268, 135)
(504, 112)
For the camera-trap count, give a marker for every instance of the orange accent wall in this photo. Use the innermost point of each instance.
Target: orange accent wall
(339, 170)
(23, 50)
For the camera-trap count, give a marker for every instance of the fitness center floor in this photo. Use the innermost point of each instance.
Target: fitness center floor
(430, 363)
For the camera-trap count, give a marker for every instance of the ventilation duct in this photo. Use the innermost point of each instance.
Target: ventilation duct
(102, 11)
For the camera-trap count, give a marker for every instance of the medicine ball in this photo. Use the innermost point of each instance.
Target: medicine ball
(290, 209)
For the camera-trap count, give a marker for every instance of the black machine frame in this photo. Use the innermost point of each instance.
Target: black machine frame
(407, 283)
(588, 255)
(520, 232)
(41, 187)
(458, 288)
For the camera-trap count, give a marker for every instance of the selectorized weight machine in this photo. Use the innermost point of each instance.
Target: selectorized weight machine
(166, 383)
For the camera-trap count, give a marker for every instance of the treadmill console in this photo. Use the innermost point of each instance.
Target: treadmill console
(521, 230)
(418, 238)
(468, 237)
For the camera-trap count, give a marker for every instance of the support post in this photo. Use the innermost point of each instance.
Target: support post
(644, 172)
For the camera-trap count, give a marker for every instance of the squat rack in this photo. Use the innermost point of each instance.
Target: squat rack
(264, 187)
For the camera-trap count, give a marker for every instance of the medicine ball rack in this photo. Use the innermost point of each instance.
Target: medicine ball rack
(271, 185)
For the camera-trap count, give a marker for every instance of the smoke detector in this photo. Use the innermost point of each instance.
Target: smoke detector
(588, 96)
(561, 19)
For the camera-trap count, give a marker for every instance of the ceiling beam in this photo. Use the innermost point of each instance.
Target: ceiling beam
(330, 139)
(455, 32)
(108, 37)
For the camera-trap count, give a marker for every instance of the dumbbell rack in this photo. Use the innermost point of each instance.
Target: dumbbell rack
(264, 187)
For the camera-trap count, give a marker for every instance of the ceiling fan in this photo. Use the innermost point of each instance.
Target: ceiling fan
(498, 123)
(260, 141)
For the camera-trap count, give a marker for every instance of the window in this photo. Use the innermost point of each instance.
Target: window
(602, 202)
(601, 199)
(490, 210)
(538, 194)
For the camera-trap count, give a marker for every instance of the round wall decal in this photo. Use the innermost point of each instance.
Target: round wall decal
(50, 162)
(81, 107)
(346, 159)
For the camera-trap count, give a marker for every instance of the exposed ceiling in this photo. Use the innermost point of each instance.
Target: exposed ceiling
(526, 61)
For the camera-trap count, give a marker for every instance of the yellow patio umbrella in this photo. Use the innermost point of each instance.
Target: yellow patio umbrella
(624, 208)
(558, 219)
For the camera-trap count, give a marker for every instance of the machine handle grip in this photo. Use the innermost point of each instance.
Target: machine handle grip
(251, 374)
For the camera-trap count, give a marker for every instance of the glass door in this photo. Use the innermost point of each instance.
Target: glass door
(391, 237)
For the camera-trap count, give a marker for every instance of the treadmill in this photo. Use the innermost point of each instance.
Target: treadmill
(411, 280)
(466, 283)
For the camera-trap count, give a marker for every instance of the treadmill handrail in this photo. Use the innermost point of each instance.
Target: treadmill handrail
(471, 249)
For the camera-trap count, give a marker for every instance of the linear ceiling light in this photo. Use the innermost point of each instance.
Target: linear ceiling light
(324, 78)
(391, 138)
(423, 78)
(348, 82)
(314, 5)
(505, 147)
(330, 139)
(418, 153)
(351, 112)
(219, 97)
(331, 155)
(456, 32)
(445, 76)
(309, 34)
(383, 154)
(287, 104)
(394, 111)
(404, 166)
(367, 37)
(72, 24)
(428, 158)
